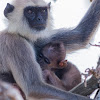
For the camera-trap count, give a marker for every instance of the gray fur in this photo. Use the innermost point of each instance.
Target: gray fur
(18, 54)
(80, 36)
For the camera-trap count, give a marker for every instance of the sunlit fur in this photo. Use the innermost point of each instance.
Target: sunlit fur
(17, 24)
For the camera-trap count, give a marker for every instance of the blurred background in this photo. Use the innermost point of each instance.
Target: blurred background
(67, 14)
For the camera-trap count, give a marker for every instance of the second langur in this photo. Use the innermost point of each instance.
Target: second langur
(53, 56)
(28, 30)
(56, 70)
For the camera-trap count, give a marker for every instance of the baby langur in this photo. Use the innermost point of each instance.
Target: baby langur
(56, 70)
(53, 56)
(28, 31)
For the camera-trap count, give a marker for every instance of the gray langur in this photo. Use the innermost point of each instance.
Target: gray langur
(53, 56)
(29, 29)
(56, 70)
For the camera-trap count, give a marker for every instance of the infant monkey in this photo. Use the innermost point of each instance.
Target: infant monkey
(56, 70)
(53, 56)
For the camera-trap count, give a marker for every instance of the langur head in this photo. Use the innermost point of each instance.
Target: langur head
(28, 16)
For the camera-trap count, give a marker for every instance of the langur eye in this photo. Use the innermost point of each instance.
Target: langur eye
(47, 60)
(41, 55)
(44, 11)
(30, 14)
(29, 11)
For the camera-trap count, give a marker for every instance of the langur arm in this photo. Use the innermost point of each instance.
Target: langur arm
(79, 37)
(21, 59)
(52, 79)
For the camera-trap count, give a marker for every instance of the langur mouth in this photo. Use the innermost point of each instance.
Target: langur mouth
(39, 27)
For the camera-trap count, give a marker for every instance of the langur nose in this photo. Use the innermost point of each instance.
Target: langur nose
(39, 18)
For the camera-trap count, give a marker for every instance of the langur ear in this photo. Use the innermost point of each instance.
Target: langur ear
(49, 5)
(8, 9)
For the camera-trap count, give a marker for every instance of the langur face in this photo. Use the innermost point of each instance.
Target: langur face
(27, 18)
(36, 17)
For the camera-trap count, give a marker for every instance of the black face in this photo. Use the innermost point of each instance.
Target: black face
(36, 17)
